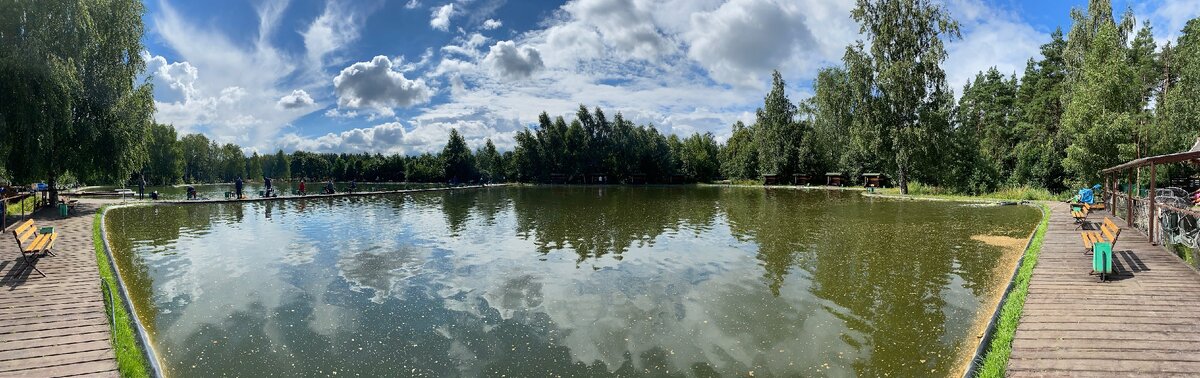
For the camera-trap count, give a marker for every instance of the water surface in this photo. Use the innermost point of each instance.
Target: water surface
(566, 281)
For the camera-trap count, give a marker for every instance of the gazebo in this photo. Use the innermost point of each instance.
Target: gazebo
(874, 180)
(800, 179)
(835, 179)
(770, 179)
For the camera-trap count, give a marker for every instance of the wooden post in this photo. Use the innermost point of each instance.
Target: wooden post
(1150, 215)
(1129, 200)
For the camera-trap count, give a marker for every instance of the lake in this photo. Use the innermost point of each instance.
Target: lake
(569, 281)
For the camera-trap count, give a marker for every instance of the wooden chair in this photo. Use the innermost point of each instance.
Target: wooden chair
(32, 243)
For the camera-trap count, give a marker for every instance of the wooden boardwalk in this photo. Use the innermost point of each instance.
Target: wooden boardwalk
(1145, 322)
(55, 325)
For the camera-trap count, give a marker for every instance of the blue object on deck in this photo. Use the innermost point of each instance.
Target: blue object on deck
(1087, 195)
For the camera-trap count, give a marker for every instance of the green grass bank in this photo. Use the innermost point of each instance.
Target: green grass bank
(131, 359)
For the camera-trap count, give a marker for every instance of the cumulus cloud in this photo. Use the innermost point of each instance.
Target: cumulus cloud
(512, 63)
(172, 82)
(298, 99)
(743, 39)
(491, 24)
(626, 25)
(440, 19)
(375, 85)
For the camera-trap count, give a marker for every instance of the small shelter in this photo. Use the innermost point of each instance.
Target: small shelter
(801, 179)
(835, 179)
(771, 179)
(597, 178)
(874, 180)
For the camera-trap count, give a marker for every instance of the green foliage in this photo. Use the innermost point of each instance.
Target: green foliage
(164, 165)
(457, 162)
(739, 155)
(592, 146)
(68, 99)
(698, 157)
(776, 132)
(1097, 120)
(905, 57)
(489, 163)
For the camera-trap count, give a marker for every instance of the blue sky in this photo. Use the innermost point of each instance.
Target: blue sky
(396, 76)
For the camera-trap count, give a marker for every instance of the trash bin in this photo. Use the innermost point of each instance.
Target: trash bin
(62, 210)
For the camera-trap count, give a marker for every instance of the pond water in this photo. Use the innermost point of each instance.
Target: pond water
(252, 189)
(569, 281)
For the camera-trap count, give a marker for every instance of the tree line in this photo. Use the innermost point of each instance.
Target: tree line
(1099, 94)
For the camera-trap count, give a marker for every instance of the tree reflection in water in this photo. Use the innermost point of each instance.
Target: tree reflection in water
(684, 281)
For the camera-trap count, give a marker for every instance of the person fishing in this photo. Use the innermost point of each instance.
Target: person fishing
(353, 186)
(301, 191)
(268, 191)
(191, 193)
(237, 187)
(329, 188)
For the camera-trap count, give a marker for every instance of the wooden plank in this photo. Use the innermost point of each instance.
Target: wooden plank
(102, 365)
(55, 325)
(1144, 322)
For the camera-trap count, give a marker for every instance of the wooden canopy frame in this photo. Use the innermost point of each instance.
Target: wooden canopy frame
(1112, 178)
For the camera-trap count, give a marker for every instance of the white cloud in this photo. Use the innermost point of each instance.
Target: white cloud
(298, 99)
(412, 4)
(744, 39)
(512, 63)
(990, 38)
(1167, 17)
(376, 86)
(440, 19)
(626, 25)
(335, 28)
(491, 24)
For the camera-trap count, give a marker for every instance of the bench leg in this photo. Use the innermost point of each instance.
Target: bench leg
(29, 265)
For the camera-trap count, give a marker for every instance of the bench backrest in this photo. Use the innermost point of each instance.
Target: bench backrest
(24, 233)
(1110, 224)
(1108, 233)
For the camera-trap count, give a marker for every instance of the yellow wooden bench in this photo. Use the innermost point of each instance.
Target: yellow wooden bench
(33, 243)
(1108, 233)
(1080, 214)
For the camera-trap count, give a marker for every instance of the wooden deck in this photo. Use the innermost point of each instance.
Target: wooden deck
(55, 325)
(1145, 322)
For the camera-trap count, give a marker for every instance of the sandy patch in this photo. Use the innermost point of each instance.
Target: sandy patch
(1011, 249)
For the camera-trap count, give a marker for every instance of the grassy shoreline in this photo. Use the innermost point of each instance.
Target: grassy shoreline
(131, 358)
(995, 359)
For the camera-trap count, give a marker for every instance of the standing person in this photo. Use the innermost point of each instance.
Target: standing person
(142, 186)
(302, 187)
(267, 184)
(237, 187)
(353, 186)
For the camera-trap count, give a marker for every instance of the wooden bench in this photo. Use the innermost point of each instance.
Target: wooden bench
(1080, 214)
(1100, 244)
(33, 244)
